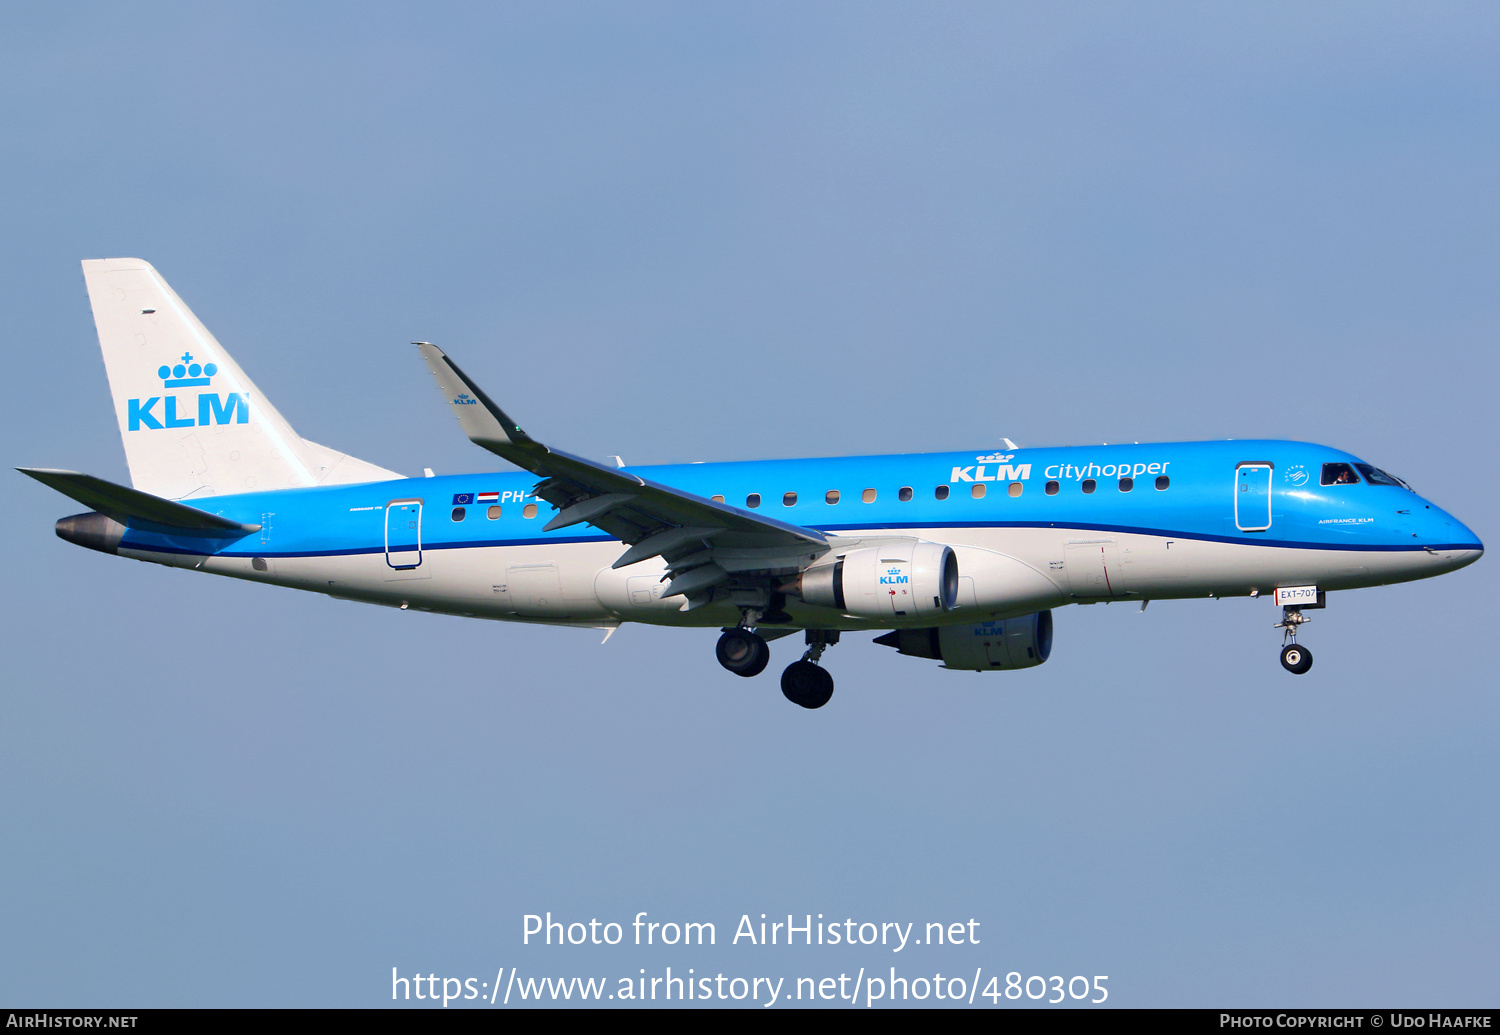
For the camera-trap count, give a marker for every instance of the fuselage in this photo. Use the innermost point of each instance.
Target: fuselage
(1032, 528)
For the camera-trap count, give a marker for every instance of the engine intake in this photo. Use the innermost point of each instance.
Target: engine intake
(903, 578)
(988, 646)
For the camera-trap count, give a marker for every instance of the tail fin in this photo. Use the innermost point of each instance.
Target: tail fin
(194, 425)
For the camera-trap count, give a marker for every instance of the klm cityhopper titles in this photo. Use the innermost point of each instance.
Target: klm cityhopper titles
(956, 557)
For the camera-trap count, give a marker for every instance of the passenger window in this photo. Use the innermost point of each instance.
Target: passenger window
(1339, 474)
(1052, 488)
(753, 500)
(529, 511)
(1162, 481)
(494, 513)
(458, 513)
(831, 497)
(1016, 488)
(789, 499)
(941, 492)
(1089, 485)
(868, 495)
(977, 492)
(717, 499)
(1126, 484)
(904, 494)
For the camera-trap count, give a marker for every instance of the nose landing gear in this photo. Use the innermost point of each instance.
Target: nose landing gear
(804, 682)
(1295, 658)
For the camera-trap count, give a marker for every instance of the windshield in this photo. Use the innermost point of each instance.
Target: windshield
(1375, 476)
(1339, 474)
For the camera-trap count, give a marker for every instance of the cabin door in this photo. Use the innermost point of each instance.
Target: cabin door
(1252, 496)
(403, 534)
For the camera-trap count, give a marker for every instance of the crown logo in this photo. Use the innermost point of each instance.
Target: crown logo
(996, 458)
(186, 374)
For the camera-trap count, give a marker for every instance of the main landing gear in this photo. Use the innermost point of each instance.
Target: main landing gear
(805, 682)
(1295, 658)
(744, 652)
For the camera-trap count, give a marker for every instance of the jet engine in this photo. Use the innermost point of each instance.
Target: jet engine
(988, 646)
(901, 578)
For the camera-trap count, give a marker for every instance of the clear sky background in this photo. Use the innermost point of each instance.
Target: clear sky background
(707, 231)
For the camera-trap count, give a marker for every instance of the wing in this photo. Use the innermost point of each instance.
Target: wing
(707, 545)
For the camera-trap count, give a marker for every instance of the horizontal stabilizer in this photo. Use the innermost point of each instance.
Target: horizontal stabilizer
(133, 506)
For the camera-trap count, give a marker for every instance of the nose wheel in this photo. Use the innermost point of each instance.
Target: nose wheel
(1295, 658)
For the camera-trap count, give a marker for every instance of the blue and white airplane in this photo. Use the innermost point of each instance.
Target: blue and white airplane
(958, 557)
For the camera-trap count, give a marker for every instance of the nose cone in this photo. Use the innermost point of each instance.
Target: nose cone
(1448, 539)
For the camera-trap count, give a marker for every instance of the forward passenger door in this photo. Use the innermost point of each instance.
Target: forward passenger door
(1252, 496)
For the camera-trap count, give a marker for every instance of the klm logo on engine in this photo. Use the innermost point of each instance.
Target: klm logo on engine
(212, 408)
(893, 577)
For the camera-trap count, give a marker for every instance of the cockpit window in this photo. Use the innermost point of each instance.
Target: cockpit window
(1339, 474)
(1375, 476)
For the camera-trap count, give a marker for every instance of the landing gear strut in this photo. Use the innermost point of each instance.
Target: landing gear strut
(804, 682)
(1295, 658)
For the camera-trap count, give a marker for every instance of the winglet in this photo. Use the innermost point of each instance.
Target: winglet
(485, 423)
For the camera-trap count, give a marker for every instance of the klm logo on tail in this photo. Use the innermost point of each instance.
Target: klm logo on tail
(234, 407)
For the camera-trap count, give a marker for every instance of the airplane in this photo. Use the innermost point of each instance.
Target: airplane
(958, 557)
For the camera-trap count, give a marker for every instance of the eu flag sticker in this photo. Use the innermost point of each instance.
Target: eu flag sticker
(462, 499)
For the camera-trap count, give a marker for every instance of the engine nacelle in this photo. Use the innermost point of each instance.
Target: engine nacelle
(986, 647)
(902, 578)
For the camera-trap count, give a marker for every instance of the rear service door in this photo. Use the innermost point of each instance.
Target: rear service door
(1252, 496)
(403, 534)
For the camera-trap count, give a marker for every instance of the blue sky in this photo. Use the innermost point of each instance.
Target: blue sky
(682, 232)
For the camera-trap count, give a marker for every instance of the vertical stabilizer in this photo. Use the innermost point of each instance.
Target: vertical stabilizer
(193, 424)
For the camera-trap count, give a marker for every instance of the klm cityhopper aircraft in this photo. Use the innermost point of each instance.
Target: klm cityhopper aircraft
(957, 557)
